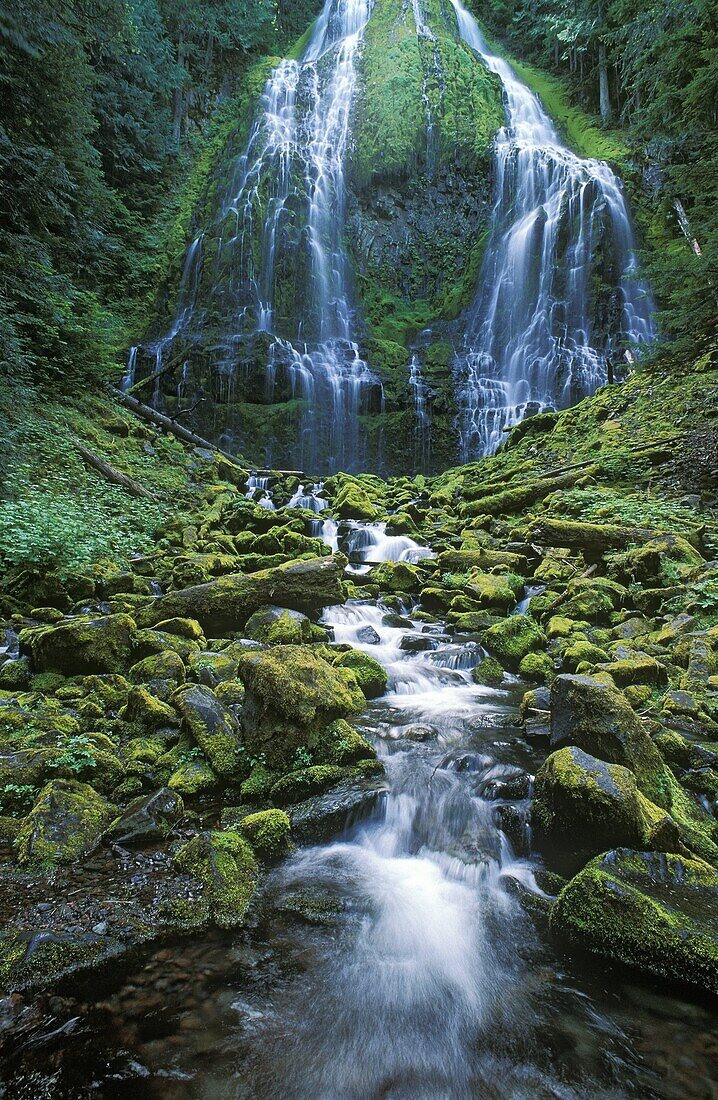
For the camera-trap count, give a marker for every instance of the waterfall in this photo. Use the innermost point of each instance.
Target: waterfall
(280, 271)
(534, 338)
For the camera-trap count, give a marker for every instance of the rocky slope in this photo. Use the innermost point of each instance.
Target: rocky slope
(169, 720)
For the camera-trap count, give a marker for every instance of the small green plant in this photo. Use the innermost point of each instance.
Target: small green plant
(302, 758)
(17, 798)
(454, 580)
(76, 755)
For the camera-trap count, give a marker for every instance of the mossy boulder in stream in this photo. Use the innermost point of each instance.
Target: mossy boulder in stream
(268, 831)
(594, 715)
(278, 626)
(213, 727)
(583, 806)
(653, 911)
(511, 639)
(371, 676)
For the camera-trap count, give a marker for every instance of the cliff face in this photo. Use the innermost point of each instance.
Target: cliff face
(411, 218)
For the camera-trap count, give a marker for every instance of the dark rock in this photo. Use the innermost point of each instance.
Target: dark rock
(318, 819)
(146, 820)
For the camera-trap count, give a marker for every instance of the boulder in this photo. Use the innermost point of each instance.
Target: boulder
(226, 604)
(511, 639)
(82, 645)
(65, 824)
(499, 590)
(278, 626)
(290, 691)
(224, 864)
(268, 831)
(594, 715)
(583, 806)
(297, 785)
(146, 820)
(319, 819)
(166, 665)
(213, 727)
(371, 676)
(653, 911)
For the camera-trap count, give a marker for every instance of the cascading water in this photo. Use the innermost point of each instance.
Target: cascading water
(536, 338)
(280, 272)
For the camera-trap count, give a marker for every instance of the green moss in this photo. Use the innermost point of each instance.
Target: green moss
(371, 677)
(537, 666)
(339, 743)
(489, 672)
(225, 865)
(269, 834)
(146, 709)
(65, 824)
(212, 727)
(654, 912)
(514, 637)
(82, 645)
(257, 786)
(298, 785)
(193, 776)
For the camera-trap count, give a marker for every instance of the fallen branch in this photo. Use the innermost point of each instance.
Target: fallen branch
(112, 474)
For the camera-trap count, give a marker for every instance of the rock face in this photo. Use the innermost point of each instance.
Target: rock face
(594, 715)
(227, 603)
(650, 910)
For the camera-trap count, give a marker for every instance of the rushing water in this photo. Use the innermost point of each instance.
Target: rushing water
(537, 336)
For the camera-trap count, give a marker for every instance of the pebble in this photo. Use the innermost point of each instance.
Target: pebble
(100, 929)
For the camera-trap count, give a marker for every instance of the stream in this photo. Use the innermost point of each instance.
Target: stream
(398, 961)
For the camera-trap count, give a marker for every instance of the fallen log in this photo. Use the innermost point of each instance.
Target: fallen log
(113, 475)
(146, 412)
(515, 500)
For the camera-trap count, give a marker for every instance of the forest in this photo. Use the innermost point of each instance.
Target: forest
(358, 549)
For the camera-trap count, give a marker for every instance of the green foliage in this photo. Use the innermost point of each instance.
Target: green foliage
(16, 798)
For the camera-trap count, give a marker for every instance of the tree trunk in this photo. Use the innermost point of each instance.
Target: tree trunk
(178, 100)
(604, 92)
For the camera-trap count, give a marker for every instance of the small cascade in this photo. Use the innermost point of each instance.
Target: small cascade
(368, 544)
(311, 501)
(260, 485)
(542, 331)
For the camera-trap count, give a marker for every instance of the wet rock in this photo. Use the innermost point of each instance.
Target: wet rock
(419, 733)
(583, 806)
(213, 728)
(318, 819)
(417, 643)
(146, 820)
(224, 864)
(268, 831)
(653, 911)
(595, 716)
(368, 635)
(166, 665)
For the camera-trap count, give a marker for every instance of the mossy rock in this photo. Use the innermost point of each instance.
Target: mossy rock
(638, 668)
(226, 603)
(537, 666)
(298, 785)
(489, 673)
(582, 651)
(193, 777)
(371, 676)
(269, 833)
(226, 866)
(211, 669)
(146, 820)
(397, 576)
(660, 562)
(512, 638)
(65, 824)
(290, 691)
(213, 727)
(339, 743)
(278, 626)
(82, 645)
(649, 910)
(166, 665)
(258, 784)
(594, 715)
(150, 642)
(499, 590)
(146, 709)
(583, 806)
(184, 628)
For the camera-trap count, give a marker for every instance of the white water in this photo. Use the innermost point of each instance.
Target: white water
(534, 340)
(408, 991)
